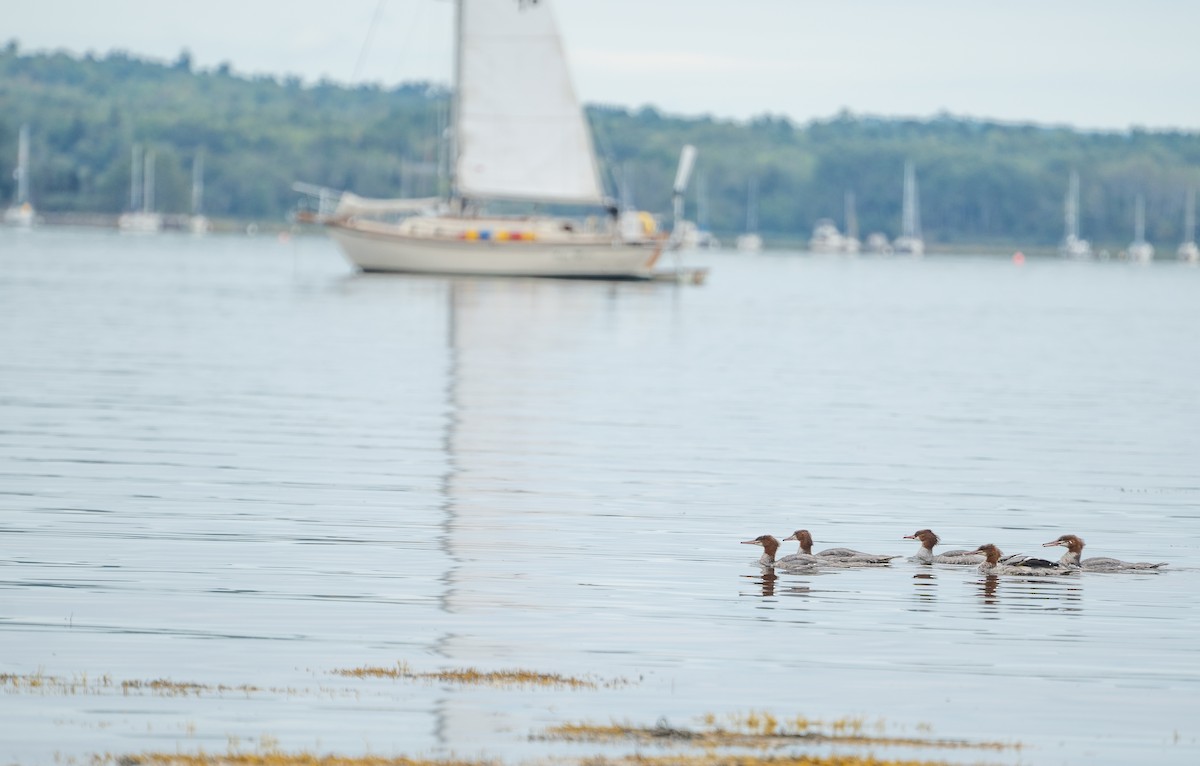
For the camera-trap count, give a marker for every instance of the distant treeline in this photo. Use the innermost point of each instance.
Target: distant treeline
(979, 182)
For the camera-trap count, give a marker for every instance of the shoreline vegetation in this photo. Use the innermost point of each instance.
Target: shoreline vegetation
(997, 183)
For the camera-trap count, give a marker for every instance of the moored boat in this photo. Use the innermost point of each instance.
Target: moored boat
(518, 135)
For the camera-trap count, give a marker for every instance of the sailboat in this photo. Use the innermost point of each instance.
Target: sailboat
(21, 213)
(518, 134)
(910, 240)
(1072, 246)
(827, 239)
(1140, 249)
(1188, 251)
(750, 241)
(141, 217)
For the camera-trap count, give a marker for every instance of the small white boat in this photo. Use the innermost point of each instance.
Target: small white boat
(518, 134)
(826, 238)
(141, 218)
(1072, 246)
(877, 242)
(21, 213)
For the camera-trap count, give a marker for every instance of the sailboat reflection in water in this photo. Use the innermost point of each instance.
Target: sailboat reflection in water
(518, 134)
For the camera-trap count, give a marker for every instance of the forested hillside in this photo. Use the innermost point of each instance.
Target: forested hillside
(979, 182)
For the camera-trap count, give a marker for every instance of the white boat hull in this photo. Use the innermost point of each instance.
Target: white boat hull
(20, 216)
(386, 248)
(140, 223)
(909, 246)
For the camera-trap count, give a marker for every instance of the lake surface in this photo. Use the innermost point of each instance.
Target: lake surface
(233, 462)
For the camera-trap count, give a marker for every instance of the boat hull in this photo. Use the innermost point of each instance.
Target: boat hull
(380, 250)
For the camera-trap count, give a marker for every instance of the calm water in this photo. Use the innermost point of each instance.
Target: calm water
(234, 461)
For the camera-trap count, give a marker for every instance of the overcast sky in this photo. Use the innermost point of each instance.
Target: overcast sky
(1093, 64)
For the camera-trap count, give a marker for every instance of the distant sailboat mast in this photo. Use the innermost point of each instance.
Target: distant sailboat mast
(1139, 219)
(752, 207)
(1188, 250)
(198, 183)
(148, 194)
(23, 166)
(851, 216)
(20, 213)
(1189, 216)
(911, 222)
(135, 179)
(1072, 207)
(1140, 249)
(910, 240)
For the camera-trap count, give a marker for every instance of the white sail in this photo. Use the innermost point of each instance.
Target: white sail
(520, 131)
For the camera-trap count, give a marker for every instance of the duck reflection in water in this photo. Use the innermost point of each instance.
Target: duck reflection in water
(1030, 593)
(767, 580)
(926, 587)
(770, 585)
(987, 589)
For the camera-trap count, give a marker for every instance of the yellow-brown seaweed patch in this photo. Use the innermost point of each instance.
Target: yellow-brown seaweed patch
(728, 759)
(40, 683)
(759, 730)
(279, 758)
(272, 758)
(471, 676)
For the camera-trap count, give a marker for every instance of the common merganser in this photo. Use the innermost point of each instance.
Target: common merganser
(1026, 565)
(926, 555)
(1074, 546)
(770, 546)
(835, 556)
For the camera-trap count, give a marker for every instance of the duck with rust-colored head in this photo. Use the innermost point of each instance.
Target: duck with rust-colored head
(1073, 557)
(926, 555)
(1018, 565)
(836, 556)
(770, 546)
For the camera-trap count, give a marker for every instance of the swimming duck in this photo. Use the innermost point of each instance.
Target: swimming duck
(1025, 565)
(770, 547)
(1074, 546)
(836, 556)
(926, 555)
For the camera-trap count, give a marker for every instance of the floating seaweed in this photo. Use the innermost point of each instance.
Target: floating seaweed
(272, 758)
(759, 730)
(40, 683)
(472, 676)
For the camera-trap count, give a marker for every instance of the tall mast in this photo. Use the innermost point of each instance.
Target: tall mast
(23, 165)
(148, 194)
(1189, 216)
(135, 179)
(910, 224)
(1139, 219)
(1072, 206)
(456, 89)
(198, 182)
(752, 207)
(851, 216)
